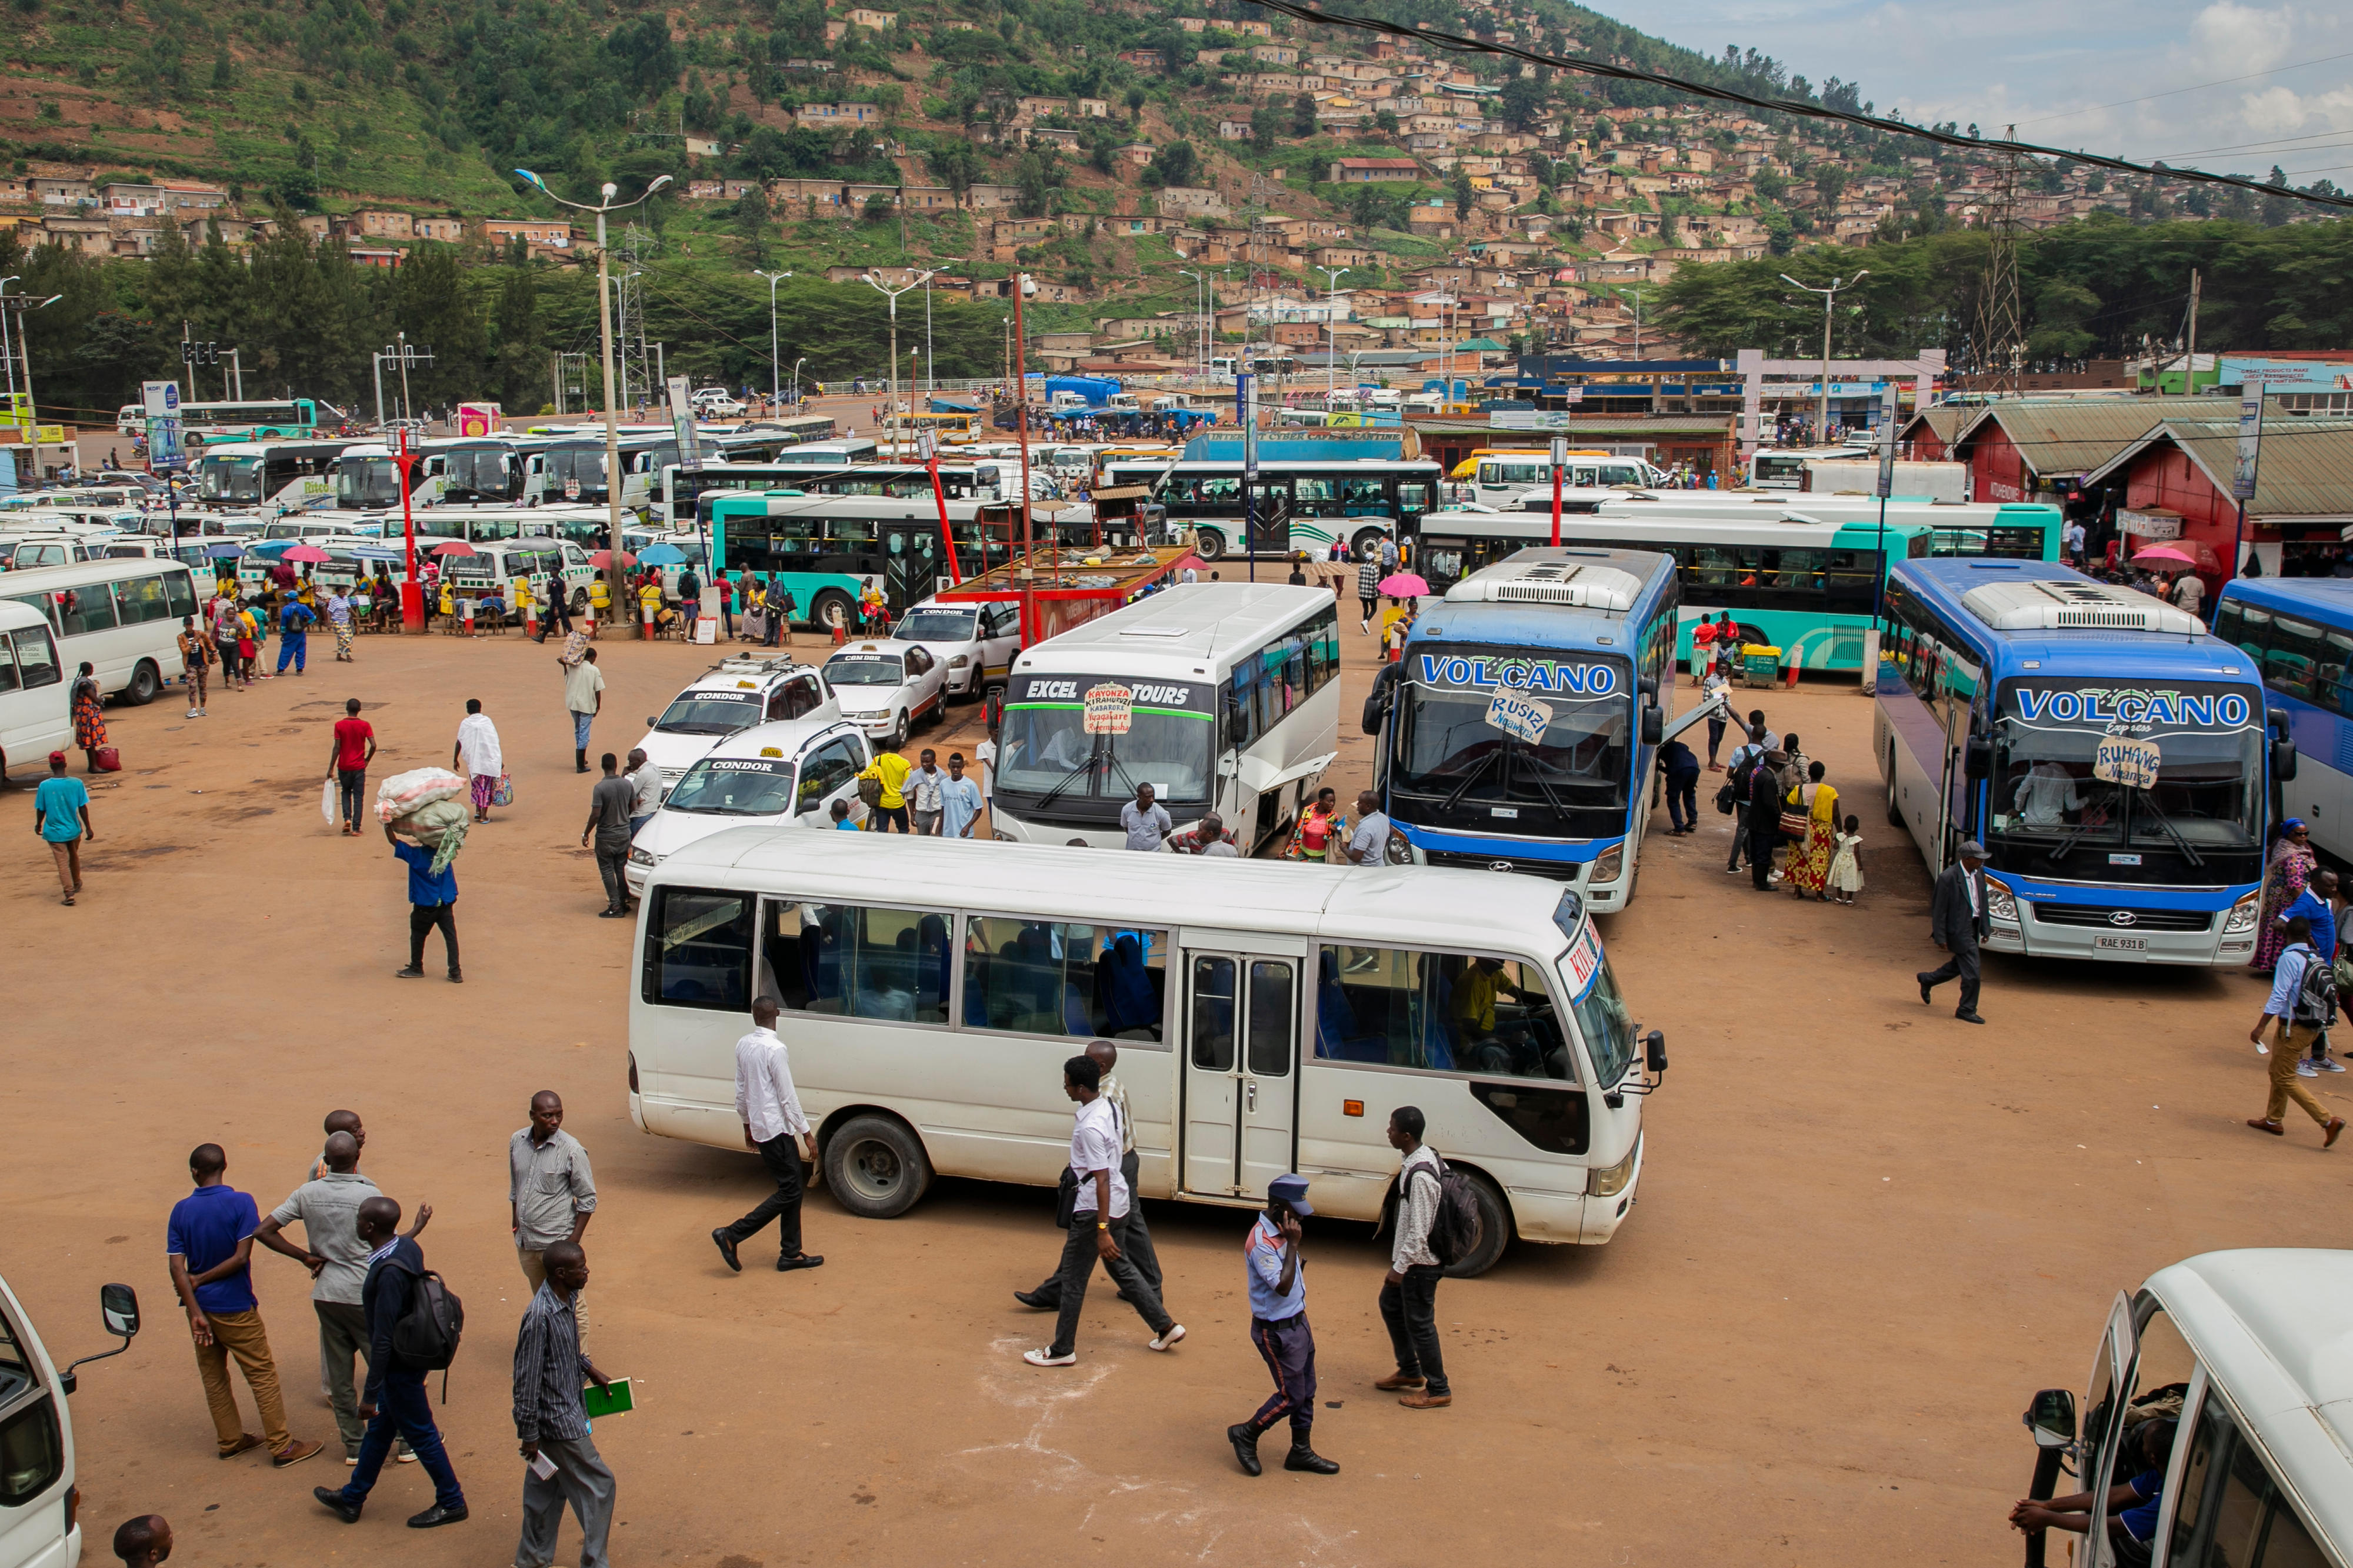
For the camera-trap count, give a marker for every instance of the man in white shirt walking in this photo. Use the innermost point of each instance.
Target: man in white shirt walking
(1099, 1221)
(1137, 1242)
(477, 756)
(772, 1124)
(923, 792)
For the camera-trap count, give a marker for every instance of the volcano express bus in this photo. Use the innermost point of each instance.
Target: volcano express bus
(2111, 756)
(1295, 506)
(1806, 587)
(1518, 731)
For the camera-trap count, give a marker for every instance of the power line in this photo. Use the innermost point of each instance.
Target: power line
(2276, 143)
(2194, 87)
(1310, 12)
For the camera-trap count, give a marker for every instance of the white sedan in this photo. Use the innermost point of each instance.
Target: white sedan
(884, 687)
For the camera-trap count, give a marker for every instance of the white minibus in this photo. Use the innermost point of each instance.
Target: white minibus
(34, 717)
(1269, 1019)
(122, 616)
(40, 1504)
(2224, 1377)
(1223, 697)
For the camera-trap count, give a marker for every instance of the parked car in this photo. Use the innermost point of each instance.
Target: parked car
(732, 696)
(885, 686)
(716, 403)
(787, 774)
(974, 642)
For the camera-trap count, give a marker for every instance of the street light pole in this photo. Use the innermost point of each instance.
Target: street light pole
(1830, 295)
(897, 430)
(797, 377)
(1028, 574)
(1200, 325)
(773, 278)
(1332, 329)
(32, 407)
(615, 605)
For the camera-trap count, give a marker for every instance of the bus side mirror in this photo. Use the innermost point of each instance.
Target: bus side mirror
(118, 1307)
(1654, 725)
(1978, 762)
(2051, 1418)
(1647, 686)
(1654, 1051)
(2283, 760)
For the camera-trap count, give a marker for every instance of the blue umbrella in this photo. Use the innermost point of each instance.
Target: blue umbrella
(661, 555)
(224, 550)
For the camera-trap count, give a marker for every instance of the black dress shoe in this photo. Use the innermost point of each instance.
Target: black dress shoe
(1302, 1457)
(1244, 1440)
(1927, 993)
(331, 1500)
(727, 1249)
(1036, 1303)
(438, 1515)
(801, 1260)
(1968, 1017)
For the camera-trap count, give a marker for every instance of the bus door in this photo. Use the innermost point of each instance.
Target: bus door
(913, 563)
(1242, 1061)
(1270, 517)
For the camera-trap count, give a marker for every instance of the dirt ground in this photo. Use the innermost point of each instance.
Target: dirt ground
(1866, 1233)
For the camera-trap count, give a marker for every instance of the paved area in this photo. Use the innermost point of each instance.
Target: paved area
(1866, 1232)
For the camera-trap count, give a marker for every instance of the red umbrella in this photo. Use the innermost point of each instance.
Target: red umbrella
(453, 547)
(2160, 555)
(306, 553)
(604, 558)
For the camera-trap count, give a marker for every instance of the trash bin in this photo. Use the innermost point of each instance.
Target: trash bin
(1760, 664)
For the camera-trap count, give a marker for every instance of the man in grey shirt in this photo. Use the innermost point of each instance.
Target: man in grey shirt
(328, 1206)
(644, 790)
(608, 824)
(1368, 846)
(552, 1420)
(550, 1189)
(1144, 820)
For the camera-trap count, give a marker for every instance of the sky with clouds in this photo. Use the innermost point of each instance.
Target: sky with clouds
(2099, 75)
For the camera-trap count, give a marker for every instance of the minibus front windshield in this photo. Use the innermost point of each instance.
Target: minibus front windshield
(1451, 767)
(228, 480)
(372, 482)
(1054, 756)
(477, 473)
(2098, 780)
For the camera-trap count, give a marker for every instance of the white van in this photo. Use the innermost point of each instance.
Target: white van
(496, 568)
(785, 775)
(976, 641)
(40, 1505)
(34, 718)
(123, 616)
(738, 694)
(2246, 1352)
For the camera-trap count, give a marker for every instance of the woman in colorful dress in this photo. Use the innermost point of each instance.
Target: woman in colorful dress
(89, 720)
(1809, 860)
(1320, 826)
(2291, 867)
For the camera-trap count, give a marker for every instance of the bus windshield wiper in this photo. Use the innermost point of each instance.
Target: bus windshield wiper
(1478, 771)
(2148, 797)
(1084, 769)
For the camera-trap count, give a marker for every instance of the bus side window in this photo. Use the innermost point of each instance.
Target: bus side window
(699, 950)
(2230, 1513)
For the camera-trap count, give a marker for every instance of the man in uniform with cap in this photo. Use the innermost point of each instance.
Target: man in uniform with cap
(1278, 1298)
(1957, 922)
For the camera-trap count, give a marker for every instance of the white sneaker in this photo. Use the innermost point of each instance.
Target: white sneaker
(2328, 1064)
(2306, 1069)
(189, 714)
(1048, 1358)
(1167, 1342)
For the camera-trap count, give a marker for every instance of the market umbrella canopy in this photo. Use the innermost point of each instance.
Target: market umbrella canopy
(2164, 555)
(1404, 585)
(453, 547)
(661, 555)
(225, 550)
(604, 558)
(306, 553)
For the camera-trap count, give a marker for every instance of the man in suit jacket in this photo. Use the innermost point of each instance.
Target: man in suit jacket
(1956, 922)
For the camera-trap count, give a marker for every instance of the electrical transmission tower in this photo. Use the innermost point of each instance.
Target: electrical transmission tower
(1997, 346)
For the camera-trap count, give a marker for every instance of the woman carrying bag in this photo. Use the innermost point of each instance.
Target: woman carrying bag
(1816, 812)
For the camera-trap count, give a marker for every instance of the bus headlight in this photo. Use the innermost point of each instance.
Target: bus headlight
(2242, 918)
(1606, 869)
(643, 857)
(1608, 1183)
(2000, 904)
(1398, 849)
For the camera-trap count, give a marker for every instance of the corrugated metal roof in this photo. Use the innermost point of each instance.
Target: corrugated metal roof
(2077, 434)
(1944, 421)
(2306, 468)
(1591, 423)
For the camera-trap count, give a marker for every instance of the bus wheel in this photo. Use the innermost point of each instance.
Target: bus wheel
(1493, 1235)
(145, 682)
(829, 609)
(1366, 542)
(1209, 544)
(875, 1167)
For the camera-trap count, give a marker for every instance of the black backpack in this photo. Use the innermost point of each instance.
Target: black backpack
(426, 1335)
(1454, 1228)
(2315, 994)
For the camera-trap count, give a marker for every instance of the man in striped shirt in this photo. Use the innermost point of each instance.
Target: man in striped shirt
(552, 1424)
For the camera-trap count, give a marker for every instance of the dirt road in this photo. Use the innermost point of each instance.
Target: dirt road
(1866, 1232)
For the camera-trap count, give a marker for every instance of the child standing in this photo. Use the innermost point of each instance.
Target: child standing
(1846, 870)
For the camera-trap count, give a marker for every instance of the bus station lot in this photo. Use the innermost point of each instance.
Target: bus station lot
(1866, 1232)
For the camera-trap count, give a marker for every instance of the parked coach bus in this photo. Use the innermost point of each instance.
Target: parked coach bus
(2113, 759)
(1269, 1018)
(2298, 632)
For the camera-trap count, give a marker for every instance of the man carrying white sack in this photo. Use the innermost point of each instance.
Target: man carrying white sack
(432, 901)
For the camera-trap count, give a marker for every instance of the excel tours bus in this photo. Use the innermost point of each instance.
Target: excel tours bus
(2298, 632)
(1223, 697)
(1269, 1018)
(2113, 758)
(1519, 730)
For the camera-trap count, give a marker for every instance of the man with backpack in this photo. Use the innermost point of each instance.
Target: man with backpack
(413, 1324)
(1739, 783)
(1409, 1291)
(2303, 1000)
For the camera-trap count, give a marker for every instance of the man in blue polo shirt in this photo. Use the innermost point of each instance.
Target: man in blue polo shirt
(1279, 1327)
(432, 901)
(210, 1244)
(2317, 904)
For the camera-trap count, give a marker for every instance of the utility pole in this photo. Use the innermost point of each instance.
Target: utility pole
(20, 306)
(1998, 343)
(1028, 577)
(893, 424)
(1332, 329)
(1830, 296)
(2189, 356)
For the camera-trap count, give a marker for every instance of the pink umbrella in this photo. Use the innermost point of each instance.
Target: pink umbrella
(2162, 555)
(1404, 585)
(305, 553)
(453, 547)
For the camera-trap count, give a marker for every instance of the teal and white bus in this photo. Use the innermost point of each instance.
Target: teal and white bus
(289, 419)
(825, 550)
(1293, 505)
(684, 494)
(1807, 588)
(2006, 531)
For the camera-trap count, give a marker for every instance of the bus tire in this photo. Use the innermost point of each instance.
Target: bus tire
(1895, 810)
(875, 1166)
(829, 609)
(1365, 543)
(1209, 544)
(1495, 1231)
(146, 681)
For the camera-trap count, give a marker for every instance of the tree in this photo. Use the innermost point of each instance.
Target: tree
(957, 166)
(640, 55)
(1303, 116)
(1523, 101)
(1266, 125)
(751, 223)
(1175, 164)
(520, 355)
(1463, 194)
(1385, 122)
